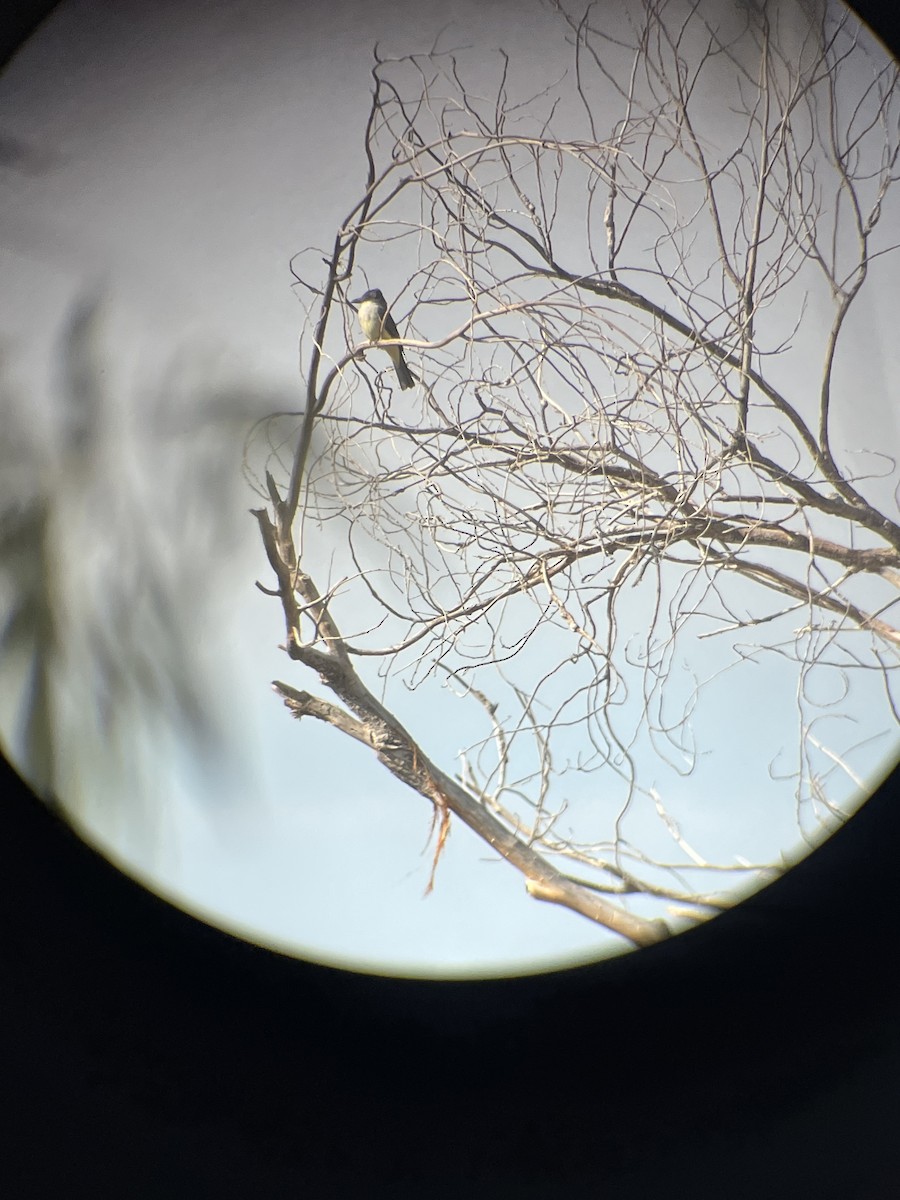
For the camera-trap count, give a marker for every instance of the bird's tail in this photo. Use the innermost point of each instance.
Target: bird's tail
(404, 375)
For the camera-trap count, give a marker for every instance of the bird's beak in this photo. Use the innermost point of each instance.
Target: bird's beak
(355, 303)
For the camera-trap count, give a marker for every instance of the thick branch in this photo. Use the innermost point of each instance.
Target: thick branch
(398, 751)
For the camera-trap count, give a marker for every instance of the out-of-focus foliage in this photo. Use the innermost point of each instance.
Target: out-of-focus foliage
(117, 524)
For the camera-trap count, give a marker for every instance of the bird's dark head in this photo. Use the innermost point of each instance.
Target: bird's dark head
(372, 294)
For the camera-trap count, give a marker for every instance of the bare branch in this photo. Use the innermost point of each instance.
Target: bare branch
(616, 449)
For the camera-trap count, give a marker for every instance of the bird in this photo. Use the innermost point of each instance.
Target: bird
(377, 323)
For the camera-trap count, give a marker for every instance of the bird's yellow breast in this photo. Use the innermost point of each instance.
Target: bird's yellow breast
(370, 318)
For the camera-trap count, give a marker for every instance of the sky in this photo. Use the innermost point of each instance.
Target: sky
(181, 156)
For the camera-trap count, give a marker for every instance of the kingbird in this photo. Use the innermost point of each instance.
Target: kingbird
(377, 323)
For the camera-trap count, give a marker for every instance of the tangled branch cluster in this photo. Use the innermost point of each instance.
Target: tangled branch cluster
(618, 442)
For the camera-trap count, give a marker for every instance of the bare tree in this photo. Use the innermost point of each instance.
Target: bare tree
(617, 448)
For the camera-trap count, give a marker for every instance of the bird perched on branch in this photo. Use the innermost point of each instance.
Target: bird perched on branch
(377, 323)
